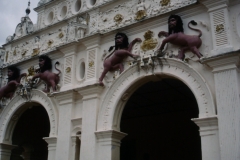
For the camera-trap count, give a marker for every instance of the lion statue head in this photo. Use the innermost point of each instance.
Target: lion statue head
(124, 43)
(13, 73)
(45, 63)
(175, 27)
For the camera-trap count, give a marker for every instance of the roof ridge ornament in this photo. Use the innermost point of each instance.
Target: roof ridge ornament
(28, 9)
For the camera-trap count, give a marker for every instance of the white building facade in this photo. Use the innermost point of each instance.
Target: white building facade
(157, 108)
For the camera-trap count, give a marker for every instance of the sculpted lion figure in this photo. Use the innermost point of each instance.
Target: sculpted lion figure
(14, 78)
(45, 74)
(114, 60)
(176, 36)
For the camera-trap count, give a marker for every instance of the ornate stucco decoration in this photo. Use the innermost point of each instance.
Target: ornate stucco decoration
(50, 43)
(15, 52)
(219, 28)
(164, 2)
(36, 46)
(141, 10)
(118, 18)
(24, 51)
(149, 43)
(68, 69)
(132, 11)
(60, 35)
(91, 64)
(77, 28)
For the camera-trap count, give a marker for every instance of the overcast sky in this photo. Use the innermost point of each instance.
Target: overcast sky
(11, 12)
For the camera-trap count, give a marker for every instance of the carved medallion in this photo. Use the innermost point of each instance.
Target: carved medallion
(60, 35)
(36, 51)
(50, 42)
(68, 69)
(24, 52)
(164, 2)
(118, 18)
(219, 28)
(149, 43)
(91, 64)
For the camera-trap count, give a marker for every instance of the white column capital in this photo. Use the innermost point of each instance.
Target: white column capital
(68, 50)
(223, 62)
(92, 42)
(66, 97)
(110, 137)
(213, 5)
(91, 91)
(207, 125)
(5, 151)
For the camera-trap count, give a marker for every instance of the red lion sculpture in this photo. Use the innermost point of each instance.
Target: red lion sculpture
(45, 74)
(14, 78)
(122, 49)
(176, 36)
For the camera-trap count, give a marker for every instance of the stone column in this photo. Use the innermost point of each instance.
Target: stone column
(66, 102)
(208, 128)
(109, 144)
(89, 120)
(52, 143)
(76, 145)
(5, 151)
(226, 76)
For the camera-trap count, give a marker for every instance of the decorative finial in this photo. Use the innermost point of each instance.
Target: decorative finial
(28, 9)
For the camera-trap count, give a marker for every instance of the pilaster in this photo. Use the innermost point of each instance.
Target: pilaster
(5, 151)
(219, 18)
(69, 66)
(66, 102)
(109, 144)
(90, 109)
(226, 77)
(93, 57)
(52, 143)
(208, 128)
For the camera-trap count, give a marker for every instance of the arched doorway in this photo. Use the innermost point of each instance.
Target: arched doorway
(157, 119)
(31, 127)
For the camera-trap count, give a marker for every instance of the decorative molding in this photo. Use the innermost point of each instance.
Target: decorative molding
(223, 62)
(90, 92)
(112, 106)
(15, 106)
(110, 136)
(207, 125)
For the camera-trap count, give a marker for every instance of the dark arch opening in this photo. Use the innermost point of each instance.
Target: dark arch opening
(157, 119)
(28, 134)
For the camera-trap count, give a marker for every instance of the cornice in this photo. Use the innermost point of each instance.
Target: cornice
(65, 97)
(213, 5)
(224, 61)
(90, 91)
(109, 135)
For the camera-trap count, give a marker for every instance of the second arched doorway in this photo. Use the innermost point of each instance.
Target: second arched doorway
(31, 127)
(157, 119)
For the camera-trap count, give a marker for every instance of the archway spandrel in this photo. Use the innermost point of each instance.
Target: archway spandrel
(131, 77)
